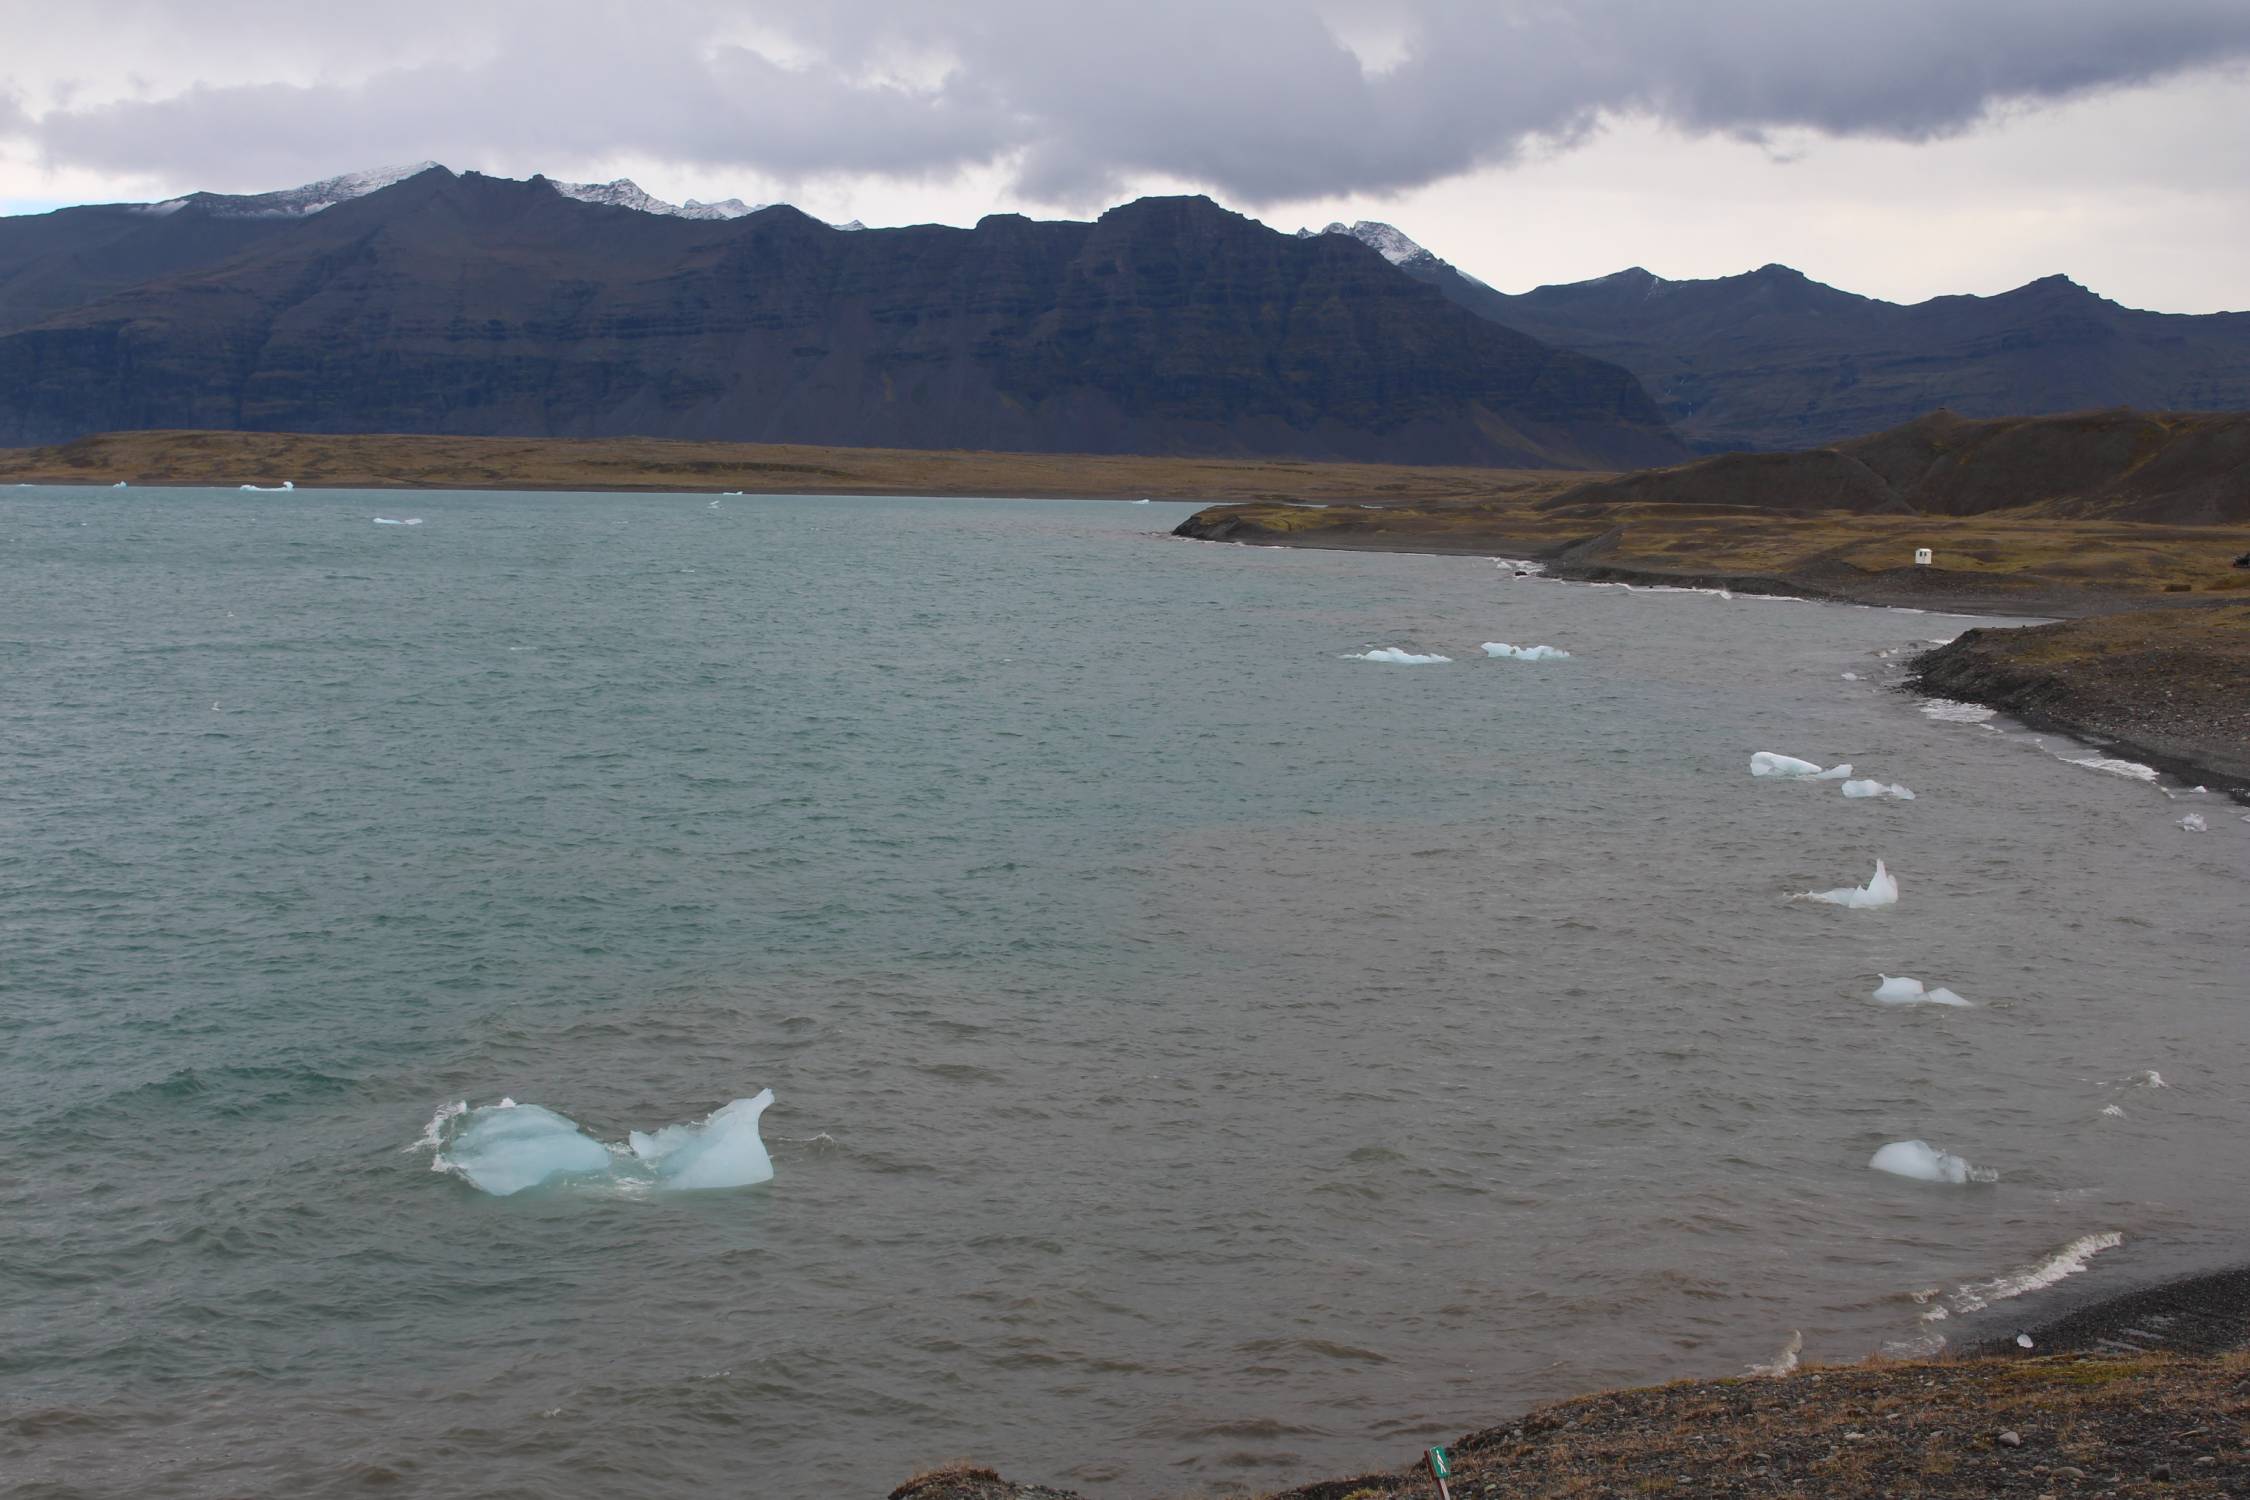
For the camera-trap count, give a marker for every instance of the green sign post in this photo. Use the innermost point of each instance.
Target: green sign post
(1441, 1469)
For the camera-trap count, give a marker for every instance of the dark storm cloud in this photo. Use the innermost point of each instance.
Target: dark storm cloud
(1262, 101)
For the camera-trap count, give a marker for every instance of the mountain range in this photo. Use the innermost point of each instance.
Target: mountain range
(417, 300)
(1772, 359)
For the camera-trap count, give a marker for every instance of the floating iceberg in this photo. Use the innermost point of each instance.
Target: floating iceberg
(1526, 653)
(1882, 890)
(1142, 501)
(272, 489)
(2193, 823)
(396, 521)
(505, 1148)
(1925, 1163)
(508, 1147)
(1897, 989)
(1395, 656)
(1877, 789)
(1771, 763)
(722, 1150)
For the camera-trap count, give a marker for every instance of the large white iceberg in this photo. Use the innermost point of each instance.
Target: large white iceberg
(722, 1150)
(1882, 890)
(1925, 1163)
(1526, 653)
(1898, 989)
(1395, 656)
(1771, 763)
(505, 1148)
(1877, 789)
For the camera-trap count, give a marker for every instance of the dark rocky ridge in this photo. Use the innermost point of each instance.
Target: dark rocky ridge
(480, 306)
(2181, 469)
(1772, 359)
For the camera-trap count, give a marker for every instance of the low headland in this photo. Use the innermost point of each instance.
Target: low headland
(2131, 528)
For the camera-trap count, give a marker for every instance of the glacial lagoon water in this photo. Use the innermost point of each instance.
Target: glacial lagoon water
(1201, 1060)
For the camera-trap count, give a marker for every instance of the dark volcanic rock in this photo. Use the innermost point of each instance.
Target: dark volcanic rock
(1772, 359)
(473, 305)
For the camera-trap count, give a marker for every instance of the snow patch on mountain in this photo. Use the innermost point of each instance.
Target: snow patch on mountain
(297, 202)
(626, 193)
(1387, 241)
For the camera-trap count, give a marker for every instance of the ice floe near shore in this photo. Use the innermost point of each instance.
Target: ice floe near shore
(1773, 763)
(1881, 890)
(504, 1148)
(1899, 989)
(1395, 656)
(1925, 1163)
(2193, 823)
(1877, 789)
(1526, 653)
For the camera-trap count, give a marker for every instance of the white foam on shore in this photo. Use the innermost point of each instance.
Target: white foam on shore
(1951, 711)
(1786, 1360)
(2062, 1264)
(2131, 770)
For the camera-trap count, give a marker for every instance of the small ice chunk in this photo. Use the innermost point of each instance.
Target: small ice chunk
(1851, 677)
(1773, 763)
(396, 521)
(1925, 1163)
(1877, 789)
(2113, 1111)
(2150, 1079)
(1526, 653)
(1882, 890)
(722, 1150)
(508, 1147)
(1396, 656)
(272, 489)
(2193, 823)
(2023, 1341)
(1898, 989)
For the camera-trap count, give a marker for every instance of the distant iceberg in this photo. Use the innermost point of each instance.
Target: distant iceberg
(272, 489)
(1925, 1163)
(1898, 989)
(1525, 653)
(396, 521)
(1882, 890)
(1772, 763)
(1396, 656)
(505, 1148)
(1877, 789)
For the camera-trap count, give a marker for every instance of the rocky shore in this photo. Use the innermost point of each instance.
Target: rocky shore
(2170, 688)
(2054, 1425)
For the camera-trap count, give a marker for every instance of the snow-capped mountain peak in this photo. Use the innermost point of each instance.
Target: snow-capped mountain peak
(297, 202)
(626, 193)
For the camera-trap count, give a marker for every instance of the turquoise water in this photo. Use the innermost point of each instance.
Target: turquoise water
(1201, 1060)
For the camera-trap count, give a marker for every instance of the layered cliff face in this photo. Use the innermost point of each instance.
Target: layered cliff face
(473, 305)
(1774, 360)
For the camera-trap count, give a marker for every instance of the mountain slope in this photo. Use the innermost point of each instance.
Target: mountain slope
(2179, 469)
(1774, 360)
(475, 305)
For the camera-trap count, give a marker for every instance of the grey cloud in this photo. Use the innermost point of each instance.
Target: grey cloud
(1257, 99)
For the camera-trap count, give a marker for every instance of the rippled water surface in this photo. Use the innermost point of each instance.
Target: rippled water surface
(1202, 1060)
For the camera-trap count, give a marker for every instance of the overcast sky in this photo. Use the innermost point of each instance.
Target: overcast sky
(1902, 148)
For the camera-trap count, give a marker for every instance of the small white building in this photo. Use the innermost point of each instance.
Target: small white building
(1922, 557)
